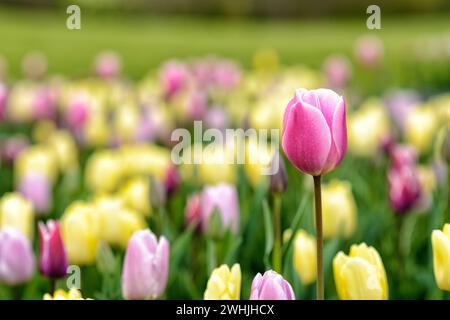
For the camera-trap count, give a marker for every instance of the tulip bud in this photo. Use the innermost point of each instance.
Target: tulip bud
(53, 259)
(440, 241)
(305, 257)
(360, 275)
(80, 232)
(314, 131)
(224, 284)
(37, 188)
(16, 257)
(73, 294)
(146, 266)
(193, 210)
(338, 209)
(223, 200)
(405, 189)
(278, 179)
(271, 286)
(17, 212)
(135, 194)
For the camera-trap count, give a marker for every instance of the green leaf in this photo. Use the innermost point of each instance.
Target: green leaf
(294, 226)
(268, 228)
(178, 250)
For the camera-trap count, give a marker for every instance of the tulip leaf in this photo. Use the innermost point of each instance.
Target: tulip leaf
(294, 225)
(268, 228)
(178, 250)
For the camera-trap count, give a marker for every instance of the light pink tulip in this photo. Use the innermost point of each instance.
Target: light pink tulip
(174, 77)
(222, 197)
(369, 51)
(36, 187)
(3, 100)
(146, 266)
(193, 210)
(271, 286)
(314, 131)
(338, 71)
(107, 65)
(77, 113)
(16, 257)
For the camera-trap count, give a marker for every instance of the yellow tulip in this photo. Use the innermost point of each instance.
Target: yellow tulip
(224, 284)
(136, 194)
(65, 149)
(96, 130)
(116, 222)
(126, 121)
(17, 212)
(73, 294)
(367, 127)
(421, 126)
(43, 130)
(217, 164)
(338, 209)
(104, 170)
(258, 160)
(360, 275)
(37, 159)
(305, 257)
(80, 228)
(441, 257)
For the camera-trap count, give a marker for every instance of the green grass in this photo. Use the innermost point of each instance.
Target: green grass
(145, 41)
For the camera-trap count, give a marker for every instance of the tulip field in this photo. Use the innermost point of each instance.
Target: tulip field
(119, 180)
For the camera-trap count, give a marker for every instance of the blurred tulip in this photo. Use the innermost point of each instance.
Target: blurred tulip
(221, 198)
(360, 275)
(337, 71)
(224, 284)
(12, 147)
(266, 61)
(17, 212)
(73, 294)
(34, 65)
(16, 257)
(258, 161)
(402, 155)
(172, 179)
(367, 127)
(43, 104)
(77, 113)
(117, 223)
(216, 117)
(441, 257)
(3, 100)
(271, 286)
(107, 65)
(104, 170)
(400, 103)
(338, 209)
(305, 256)
(314, 131)
(65, 149)
(37, 189)
(421, 126)
(135, 194)
(278, 179)
(53, 258)
(369, 51)
(37, 159)
(174, 76)
(193, 210)
(146, 266)
(216, 165)
(80, 232)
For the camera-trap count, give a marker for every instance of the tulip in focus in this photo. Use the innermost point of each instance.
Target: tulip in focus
(271, 286)
(73, 294)
(16, 257)
(305, 256)
(146, 266)
(53, 258)
(339, 209)
(360, 275)
(314, 131)
(80, 232)
(440, 241)
(17, 212)
(221, 198)
(224, 284)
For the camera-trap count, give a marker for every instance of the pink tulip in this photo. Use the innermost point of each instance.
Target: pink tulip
(193, 209)
(12, 147)
(44, 104)
(174, 76)
(172, 180)
(107, 65)
(369, 51)
(403, 155)
(404, 188)
(271, 286)
(16, 257)
(53, 258)
(36, 187)
(77, 113)
(314, 131)
(338, 71)
(399, 103)
(3, 100)
(222, 197)
(146, 266)
(216, 118)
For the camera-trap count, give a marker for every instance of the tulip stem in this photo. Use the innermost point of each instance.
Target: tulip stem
(51, 286)
(277, 233)
(319, 237)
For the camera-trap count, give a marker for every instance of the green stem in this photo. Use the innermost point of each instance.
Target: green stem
(51, 286)
(400, 247)
(276, 262)
(319, 237)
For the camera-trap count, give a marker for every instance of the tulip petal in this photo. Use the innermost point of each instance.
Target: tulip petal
(306, 138)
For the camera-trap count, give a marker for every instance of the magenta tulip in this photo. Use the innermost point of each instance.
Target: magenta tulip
(146, 266)
(16, 257)
(36, 187)
(3, 99)
(222, 197)
(77, 113)
(53, 258)
(271, 286)
(174, 77)
(314, 131)
(404, 188)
